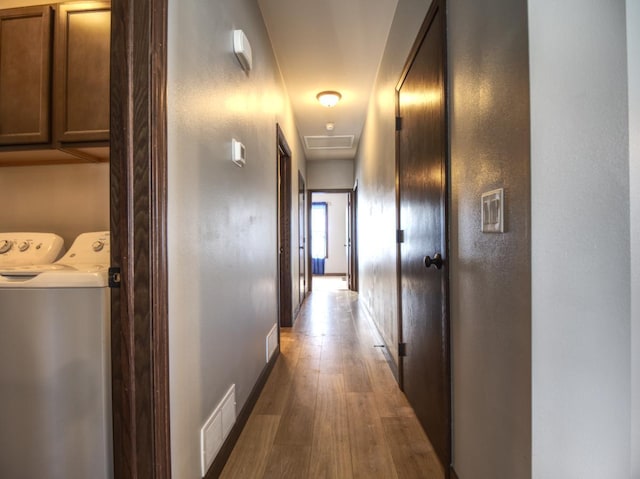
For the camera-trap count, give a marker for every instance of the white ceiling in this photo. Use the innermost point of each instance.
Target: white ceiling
(329, 45)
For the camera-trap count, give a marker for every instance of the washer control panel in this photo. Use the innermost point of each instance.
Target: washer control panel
(89, 249)
(22, 249)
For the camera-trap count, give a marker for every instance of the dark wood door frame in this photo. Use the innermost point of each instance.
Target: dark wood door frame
(437, 7)
(138, 196)
(354, 280)
(309, 201)
(302, 240)
(285, 289)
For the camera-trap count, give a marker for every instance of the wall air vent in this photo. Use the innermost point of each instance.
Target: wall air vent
(328, 142)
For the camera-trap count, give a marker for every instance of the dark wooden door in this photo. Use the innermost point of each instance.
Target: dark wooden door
(302, 238)
(25, 75)
(353, 224)
(349, 240)
(422, 152)
(284, 231)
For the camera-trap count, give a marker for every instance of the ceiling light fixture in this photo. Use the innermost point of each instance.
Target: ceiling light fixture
(328, 98)
(329, 126)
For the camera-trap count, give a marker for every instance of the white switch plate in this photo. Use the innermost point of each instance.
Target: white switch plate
(238, 153)
(492, 211)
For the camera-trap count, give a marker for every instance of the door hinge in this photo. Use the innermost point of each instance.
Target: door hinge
(398, 123)
(114, 277)
(402, 350)
(399, 236)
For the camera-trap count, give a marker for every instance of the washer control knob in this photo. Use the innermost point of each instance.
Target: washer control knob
(98, 245)
(5, 246)
(24, 246)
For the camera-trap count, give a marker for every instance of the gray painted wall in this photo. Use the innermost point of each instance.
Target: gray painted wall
(221, 218)
(566, 321)
(490, 148)
(490, 273)
(633, 58)
(375, 174)
(580, 239)
(217, 329)
(329, 174)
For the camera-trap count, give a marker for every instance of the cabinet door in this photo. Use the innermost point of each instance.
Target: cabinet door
(82, 72)
(25, 75)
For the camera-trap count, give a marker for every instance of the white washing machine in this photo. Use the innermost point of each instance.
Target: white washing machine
(55, 374)
(24, 249)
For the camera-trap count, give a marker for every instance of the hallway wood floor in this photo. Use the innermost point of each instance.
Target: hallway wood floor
(331, 407)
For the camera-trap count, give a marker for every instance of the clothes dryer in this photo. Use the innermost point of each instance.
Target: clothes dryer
(55, 400)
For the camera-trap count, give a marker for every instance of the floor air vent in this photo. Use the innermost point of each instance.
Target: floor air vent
(272, 341)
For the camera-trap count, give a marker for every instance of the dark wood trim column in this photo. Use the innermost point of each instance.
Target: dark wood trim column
(285, 286)
(139, 328)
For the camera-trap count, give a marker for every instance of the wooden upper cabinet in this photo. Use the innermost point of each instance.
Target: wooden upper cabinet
(25, 75)
(81, 79)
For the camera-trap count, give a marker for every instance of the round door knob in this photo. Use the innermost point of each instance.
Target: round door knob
(436, 261)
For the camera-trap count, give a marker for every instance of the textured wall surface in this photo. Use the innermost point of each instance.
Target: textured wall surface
(222, 219)
(580, 239)
(329, 174)
(375, 174)
(490, 273)
(490, 149)
(633, 58)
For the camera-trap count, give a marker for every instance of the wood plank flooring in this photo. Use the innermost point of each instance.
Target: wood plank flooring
(331, 407)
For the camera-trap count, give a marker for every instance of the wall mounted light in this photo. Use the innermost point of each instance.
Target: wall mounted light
(329, 98)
